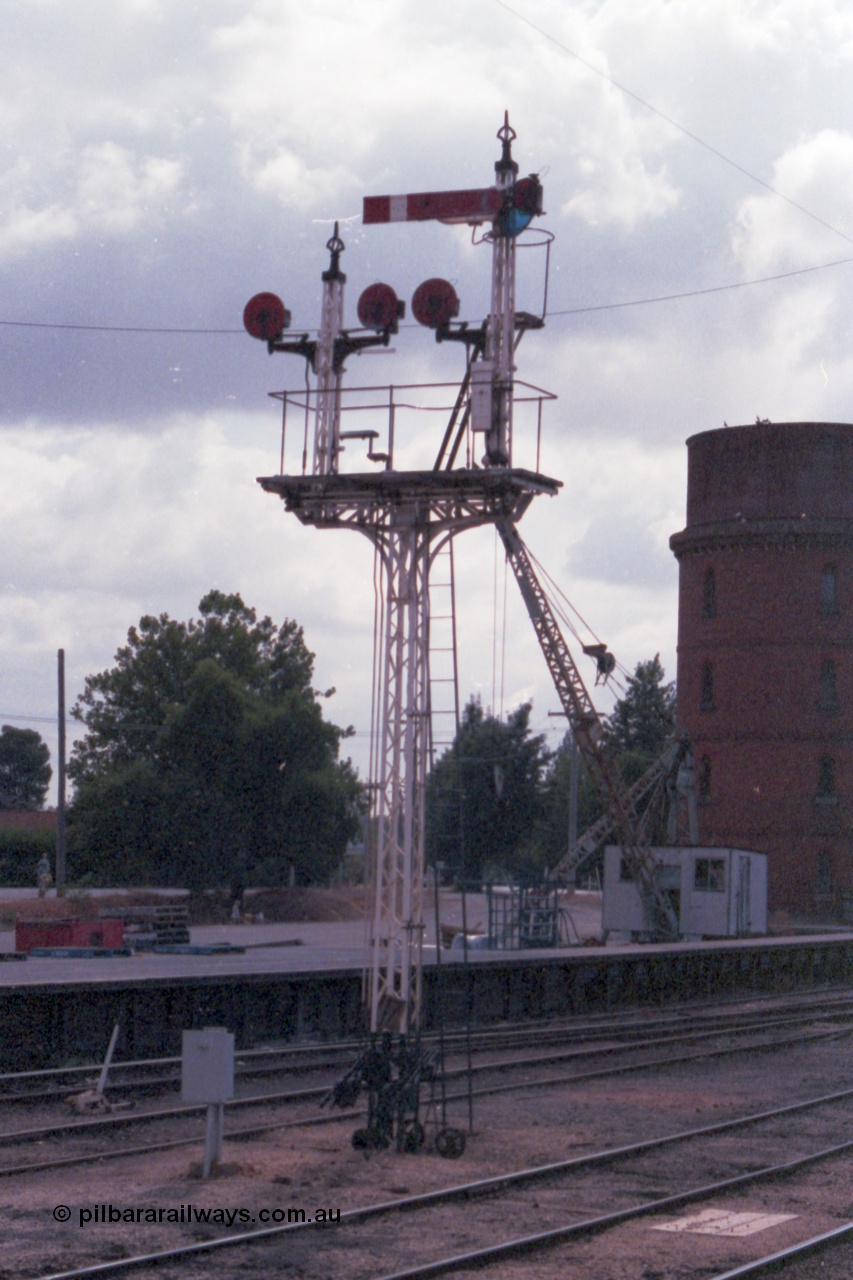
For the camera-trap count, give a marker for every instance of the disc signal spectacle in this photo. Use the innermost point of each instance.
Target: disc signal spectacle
(434, 303)
(379, 308)
(265, 316)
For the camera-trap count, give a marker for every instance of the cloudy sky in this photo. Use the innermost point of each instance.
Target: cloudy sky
(163, 160)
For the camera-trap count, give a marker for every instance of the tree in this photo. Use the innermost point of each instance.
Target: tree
(24, 769)
(636, 733)
(643, 721)
(552, 831)
(125, 708)
(207, 758)
(484, 795)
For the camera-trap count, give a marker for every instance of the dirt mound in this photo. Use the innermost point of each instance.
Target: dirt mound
(76, 906)
(343, 902)
(292, 906)
(297, 905)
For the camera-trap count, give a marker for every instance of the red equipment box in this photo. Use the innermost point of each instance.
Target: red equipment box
(68, 933)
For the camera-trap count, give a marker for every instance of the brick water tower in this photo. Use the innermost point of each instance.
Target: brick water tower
(765, 651)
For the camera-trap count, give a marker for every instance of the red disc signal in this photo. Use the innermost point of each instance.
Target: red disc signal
(435, 303)
(378, 307)
(265, 316)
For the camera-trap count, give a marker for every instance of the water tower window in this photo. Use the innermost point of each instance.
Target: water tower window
(826, 778)
(704, 778)
(823, 879)
(709, 595)
(706, 702)
(828, 699)
(710, 875)
(829, 590)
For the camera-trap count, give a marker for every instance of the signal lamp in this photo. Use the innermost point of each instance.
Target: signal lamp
(265, 316)
(435, 303)
(379, 308)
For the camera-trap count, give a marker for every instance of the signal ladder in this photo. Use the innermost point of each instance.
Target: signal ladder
(443, 672)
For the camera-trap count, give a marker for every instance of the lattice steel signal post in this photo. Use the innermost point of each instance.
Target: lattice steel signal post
(409, 514)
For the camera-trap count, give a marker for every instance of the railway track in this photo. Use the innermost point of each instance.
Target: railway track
(152, 1076)
(608, 1189)
(785, 1264)
(541, 1069)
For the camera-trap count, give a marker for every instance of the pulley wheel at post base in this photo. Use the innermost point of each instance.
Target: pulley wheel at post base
(369, 1140)
(413, 1138)
(450, 1143)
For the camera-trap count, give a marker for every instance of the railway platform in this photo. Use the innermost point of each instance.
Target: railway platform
(303, 981)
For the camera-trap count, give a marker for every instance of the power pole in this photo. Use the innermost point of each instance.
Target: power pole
(60, 807)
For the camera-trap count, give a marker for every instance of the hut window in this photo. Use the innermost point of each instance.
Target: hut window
(710, 875)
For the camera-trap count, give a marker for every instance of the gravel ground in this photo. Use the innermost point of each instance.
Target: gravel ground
(317, 1168)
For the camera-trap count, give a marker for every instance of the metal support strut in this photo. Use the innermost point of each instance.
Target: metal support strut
(393, 995)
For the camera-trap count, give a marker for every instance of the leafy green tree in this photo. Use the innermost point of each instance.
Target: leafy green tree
(25, 771)
(552, 831)
(125, 708)
(208, 760)
(636, 733)
(643, 721)
(20, 852)
(484, 795)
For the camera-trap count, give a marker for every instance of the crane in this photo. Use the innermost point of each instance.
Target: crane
(672, 771)
(622, 817)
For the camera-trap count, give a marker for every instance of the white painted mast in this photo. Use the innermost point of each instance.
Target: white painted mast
(327, 426)
(500, 334)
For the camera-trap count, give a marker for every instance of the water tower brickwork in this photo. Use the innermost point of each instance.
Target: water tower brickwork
(765, 651)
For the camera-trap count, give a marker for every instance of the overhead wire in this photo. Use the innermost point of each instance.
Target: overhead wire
(36, 719)
(569, 311)
(636, 302)
(113, 328)
(662, 115)
(698, 293)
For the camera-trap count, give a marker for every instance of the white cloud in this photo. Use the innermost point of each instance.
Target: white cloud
(771, 235)
(620, 189)
(109, 192)
(115, 191)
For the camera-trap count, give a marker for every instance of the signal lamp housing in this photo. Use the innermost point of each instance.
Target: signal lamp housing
(434, 303)
(379, 308)
(265, 317)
